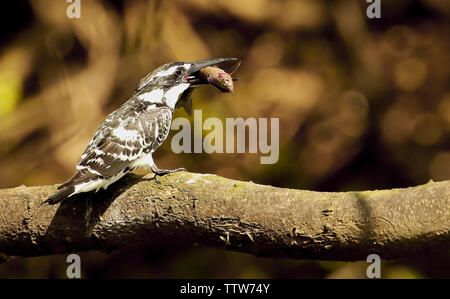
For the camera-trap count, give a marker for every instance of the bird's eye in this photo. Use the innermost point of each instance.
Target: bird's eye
(179, 71)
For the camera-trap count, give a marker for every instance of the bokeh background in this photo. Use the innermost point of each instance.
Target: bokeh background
(363, 104)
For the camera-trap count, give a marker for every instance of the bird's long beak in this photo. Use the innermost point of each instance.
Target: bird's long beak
(198, 65)
(227, 64)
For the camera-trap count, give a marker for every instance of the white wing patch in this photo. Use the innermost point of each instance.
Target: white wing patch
(125, 134)
(126, 157)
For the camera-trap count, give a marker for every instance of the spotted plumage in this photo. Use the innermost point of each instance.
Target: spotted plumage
(128, 137)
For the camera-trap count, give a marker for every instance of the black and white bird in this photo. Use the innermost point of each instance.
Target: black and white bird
(130, 135)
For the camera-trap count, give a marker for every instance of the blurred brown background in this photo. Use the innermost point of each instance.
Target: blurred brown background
(363, 104)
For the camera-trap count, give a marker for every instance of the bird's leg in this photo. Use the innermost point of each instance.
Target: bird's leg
(162, 172)
(151, 164)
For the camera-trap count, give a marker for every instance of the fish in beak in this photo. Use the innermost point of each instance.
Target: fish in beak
(216, 72)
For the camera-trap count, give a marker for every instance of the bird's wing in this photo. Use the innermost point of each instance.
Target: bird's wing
(124, 137)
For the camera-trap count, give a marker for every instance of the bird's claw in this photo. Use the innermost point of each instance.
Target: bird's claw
(161, 172)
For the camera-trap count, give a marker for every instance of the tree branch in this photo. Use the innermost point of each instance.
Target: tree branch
(186, 208)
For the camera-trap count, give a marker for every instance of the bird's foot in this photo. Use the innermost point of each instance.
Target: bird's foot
(161, 172)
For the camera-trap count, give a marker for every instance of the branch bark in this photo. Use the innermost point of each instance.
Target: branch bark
(186, 208)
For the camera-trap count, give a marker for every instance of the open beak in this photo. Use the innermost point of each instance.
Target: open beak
(229, 65)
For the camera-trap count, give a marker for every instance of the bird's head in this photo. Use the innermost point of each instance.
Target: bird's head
(172, 79)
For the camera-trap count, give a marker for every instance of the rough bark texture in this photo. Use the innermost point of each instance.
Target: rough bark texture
(186, 208)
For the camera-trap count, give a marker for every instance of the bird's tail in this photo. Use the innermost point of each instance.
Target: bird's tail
(60, 195)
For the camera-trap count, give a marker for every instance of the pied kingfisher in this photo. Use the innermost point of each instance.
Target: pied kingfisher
(128, 137)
